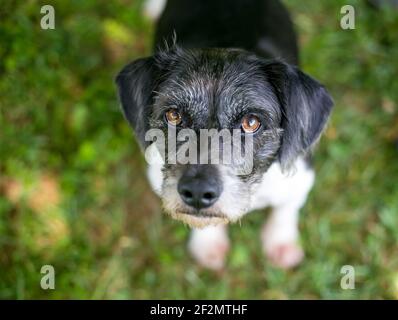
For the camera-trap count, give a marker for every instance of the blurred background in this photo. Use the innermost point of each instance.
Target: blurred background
(73, 192)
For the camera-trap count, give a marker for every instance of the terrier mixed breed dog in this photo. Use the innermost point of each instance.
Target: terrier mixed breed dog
(234, 67)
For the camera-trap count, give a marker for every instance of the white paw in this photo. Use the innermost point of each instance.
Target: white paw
(209, 246)
(285, 256)
(281, 248)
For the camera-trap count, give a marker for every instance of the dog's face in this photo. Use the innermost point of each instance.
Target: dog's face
(283, 110)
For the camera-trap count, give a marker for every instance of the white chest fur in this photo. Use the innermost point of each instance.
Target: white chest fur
(282, 189)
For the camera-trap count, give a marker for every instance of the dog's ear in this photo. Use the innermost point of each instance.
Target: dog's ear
(306, 106)
(136, 83)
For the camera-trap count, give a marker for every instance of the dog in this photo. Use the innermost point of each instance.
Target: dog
(232, 66)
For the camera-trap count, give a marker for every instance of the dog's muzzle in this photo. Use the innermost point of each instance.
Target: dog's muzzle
(199, 188)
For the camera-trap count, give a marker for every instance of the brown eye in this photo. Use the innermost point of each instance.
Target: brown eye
(173, 117)
(250, 124)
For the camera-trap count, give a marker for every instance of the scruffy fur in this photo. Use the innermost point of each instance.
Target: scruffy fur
(230, 59)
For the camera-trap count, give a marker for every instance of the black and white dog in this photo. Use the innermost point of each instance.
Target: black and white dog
(234, 67)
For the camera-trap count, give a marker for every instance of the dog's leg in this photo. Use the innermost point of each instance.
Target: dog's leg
(280, 233)
(280, 237)
(209, 246)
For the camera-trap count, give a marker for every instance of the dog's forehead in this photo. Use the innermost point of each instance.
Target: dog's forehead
(214, 88)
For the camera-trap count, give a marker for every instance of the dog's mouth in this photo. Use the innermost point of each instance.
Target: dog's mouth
(199, 219)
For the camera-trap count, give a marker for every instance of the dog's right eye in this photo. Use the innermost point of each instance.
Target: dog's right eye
(250, 123)
(173, 117)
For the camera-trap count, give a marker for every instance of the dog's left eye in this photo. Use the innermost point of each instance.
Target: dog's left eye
(250, 123)
(173, 117)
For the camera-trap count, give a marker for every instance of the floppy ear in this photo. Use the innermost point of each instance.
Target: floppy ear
(306, 106)
(135, 83)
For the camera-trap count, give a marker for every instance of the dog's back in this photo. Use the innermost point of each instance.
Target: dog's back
(260, 26)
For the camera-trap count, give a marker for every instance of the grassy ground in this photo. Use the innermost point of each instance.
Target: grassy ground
(73, 192)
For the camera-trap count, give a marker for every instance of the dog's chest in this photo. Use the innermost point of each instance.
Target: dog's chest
(278, 189)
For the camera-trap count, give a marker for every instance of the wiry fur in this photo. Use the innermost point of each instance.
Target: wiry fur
(217, 74)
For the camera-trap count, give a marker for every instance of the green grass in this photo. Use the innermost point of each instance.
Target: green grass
(73, 192)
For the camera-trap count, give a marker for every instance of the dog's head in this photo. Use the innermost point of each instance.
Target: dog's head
(282, 109)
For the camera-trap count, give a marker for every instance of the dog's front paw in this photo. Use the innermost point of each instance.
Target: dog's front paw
(285, 255)
(281, 249)
(209, 246)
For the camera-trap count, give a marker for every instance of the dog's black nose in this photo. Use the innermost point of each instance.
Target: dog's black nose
(199, 187)
(198, 194)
